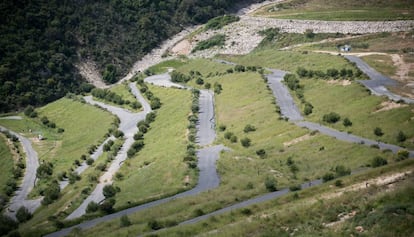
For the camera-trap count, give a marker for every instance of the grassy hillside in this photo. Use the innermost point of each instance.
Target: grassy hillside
(383, 210)
(355, 103)
(370, 10)
(158, 169)
(6, 164)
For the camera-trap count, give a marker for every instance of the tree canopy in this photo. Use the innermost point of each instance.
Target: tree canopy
(42, 40)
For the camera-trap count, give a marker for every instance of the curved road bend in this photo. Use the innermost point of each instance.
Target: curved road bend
(207, 157)
(128, 126)
(289, 109)
(29, 179)
(378, 82)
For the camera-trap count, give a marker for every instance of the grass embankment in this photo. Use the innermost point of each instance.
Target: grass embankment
(158, 169)
(6, 164)
(381, 63)
(379, 210)
(290, 61)
(353, 101)
(125, 98)
(84, 125)
(165, 65)
(330, 10)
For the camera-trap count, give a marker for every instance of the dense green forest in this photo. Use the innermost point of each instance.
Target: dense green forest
(42, 40)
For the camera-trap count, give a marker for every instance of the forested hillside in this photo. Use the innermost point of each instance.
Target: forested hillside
(41, 40)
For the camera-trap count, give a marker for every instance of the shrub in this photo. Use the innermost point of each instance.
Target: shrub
(199, 81)
(249, 128)
(378, 132)
(339, 183)
(109, 191)
(261, 153)
(233, 139)
(340, 171)
(222, 128)
(73, 177)
(108, 205)
(331, 117)
(228, 135)
(294, 188)
(308, 109)
(246, 142)
(328, 176)
(51, 193)
(92, 207)
(347, 122)
(23, 214)
(155, 225)
(44, 170)
(270, 184)
(89, 161)
(402, 155)
(378, 161)
(401, 137)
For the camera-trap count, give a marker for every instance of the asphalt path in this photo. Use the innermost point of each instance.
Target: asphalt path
(378, 82)
(284, 99)
(29, 179)
(128, 126)
(208, 178)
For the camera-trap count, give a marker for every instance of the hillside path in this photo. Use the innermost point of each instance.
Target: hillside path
(20, 197)
(128, 126)
(378, 82)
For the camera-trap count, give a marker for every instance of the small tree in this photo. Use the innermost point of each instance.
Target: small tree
(23, 214)
(401, 137)
(331, 117)
(378, 132)
(270, 184)
(109, 191)
(328, 176)
(249, 128)
(246, 142)
(402, 155)
(92, 207)
(347, 122)
(378, 161)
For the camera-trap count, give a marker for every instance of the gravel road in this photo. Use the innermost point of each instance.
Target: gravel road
(377, 84)
(29, 179)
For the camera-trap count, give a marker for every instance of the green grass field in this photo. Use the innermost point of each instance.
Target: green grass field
(164, 66)
(158, 169)
(382, 63)
(371, 10)
(6, 163)
(290, 61)
(354, 102)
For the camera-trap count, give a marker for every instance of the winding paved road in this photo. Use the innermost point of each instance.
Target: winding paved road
(128, 126)
(29, 179)
(377, 84)
(290, 110)
(208, 178)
